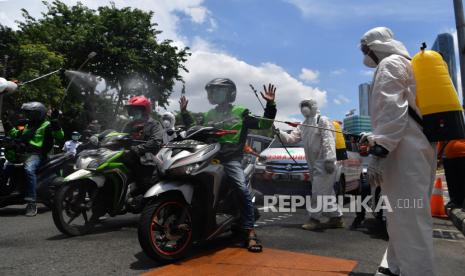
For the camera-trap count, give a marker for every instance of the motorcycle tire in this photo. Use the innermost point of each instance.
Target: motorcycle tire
(58, 210)
(146, 230)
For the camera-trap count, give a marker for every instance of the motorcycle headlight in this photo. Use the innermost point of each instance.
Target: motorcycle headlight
(92, 159)
(86, 163)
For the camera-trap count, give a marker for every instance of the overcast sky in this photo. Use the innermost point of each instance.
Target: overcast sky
(308, 48)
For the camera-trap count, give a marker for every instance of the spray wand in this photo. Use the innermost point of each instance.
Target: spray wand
(40, 77)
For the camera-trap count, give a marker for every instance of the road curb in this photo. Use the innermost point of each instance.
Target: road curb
(458, 218)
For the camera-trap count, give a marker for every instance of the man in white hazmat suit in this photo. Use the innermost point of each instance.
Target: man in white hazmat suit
(403, 160)
(320, 152)
(167, 121)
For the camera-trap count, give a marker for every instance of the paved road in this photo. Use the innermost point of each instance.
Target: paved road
(33, 246)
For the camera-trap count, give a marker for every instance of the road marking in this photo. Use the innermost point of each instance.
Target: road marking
(448, 235)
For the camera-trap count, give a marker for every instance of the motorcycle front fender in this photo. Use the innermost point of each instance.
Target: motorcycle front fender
(161, 187)
(99, 180)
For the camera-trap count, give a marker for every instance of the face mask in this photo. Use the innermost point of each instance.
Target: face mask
(308, 112)
(166, 123)
(369, 62)
(75, 137)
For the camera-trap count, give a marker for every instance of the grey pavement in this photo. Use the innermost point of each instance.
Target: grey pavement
(33, 246)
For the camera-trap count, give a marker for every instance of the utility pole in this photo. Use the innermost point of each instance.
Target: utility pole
(460, 24)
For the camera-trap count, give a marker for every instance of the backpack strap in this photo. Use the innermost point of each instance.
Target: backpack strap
(415, 116)
(441, 150)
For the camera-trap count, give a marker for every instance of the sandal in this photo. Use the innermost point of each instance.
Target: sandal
(257, 247)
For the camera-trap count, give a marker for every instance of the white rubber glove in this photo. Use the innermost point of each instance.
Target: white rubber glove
(367, 137)
(330, 166)
(375, 170)
(7, 86)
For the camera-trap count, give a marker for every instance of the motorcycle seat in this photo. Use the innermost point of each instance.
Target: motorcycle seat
(54, 160)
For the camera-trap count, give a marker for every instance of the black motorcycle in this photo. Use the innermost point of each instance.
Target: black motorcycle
(49, 175)
(192, 202)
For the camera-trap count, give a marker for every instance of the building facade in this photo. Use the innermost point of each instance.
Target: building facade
(444, 44)
(357, 124)
(363, 99)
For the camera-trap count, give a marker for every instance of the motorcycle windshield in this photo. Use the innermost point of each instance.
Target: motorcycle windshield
(92, 159)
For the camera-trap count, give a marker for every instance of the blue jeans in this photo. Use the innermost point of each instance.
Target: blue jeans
(32, 163)
(235, 176)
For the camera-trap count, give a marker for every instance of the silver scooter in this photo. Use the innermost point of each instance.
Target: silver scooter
(192, 202)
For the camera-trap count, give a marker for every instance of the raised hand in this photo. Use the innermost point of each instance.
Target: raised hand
(183, 103)
(269, 95)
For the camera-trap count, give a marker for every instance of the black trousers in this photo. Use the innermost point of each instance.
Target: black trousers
(143, 175)
(454, 169)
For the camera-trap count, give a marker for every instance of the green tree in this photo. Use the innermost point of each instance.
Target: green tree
(36, 60)
(125, 41)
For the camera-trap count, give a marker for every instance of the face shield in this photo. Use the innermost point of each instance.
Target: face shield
(136, 113)
(218, 95)
(379, 43)
(75, 137)
(31, 115)
(370, 59)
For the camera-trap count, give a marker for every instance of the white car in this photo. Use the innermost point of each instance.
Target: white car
(279, 174)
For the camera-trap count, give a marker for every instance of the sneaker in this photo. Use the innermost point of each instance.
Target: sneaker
(384, 271)
(335, 223)
(31, 209)
(313, 224)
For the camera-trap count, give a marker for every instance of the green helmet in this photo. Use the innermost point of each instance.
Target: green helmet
(221, 91)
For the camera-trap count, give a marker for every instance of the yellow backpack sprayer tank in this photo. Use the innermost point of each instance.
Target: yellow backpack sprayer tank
(437, 98)
(341, 151)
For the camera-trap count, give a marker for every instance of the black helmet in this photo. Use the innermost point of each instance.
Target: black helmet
(221, 83)
(35, 111)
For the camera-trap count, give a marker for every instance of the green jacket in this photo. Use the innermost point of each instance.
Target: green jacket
(39, 140)
(234, 118)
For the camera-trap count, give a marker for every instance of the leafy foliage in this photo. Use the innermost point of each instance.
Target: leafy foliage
(129, 58)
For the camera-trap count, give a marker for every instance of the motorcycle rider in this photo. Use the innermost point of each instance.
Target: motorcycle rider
(222, 92)
(168, 121)
(142, 127)
(37, 140)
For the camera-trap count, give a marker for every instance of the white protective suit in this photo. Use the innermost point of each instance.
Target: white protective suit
(168, 120)
(7, 86)
(408, 170)
(320, 147)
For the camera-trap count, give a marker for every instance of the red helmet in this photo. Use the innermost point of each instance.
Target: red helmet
(140, 101)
